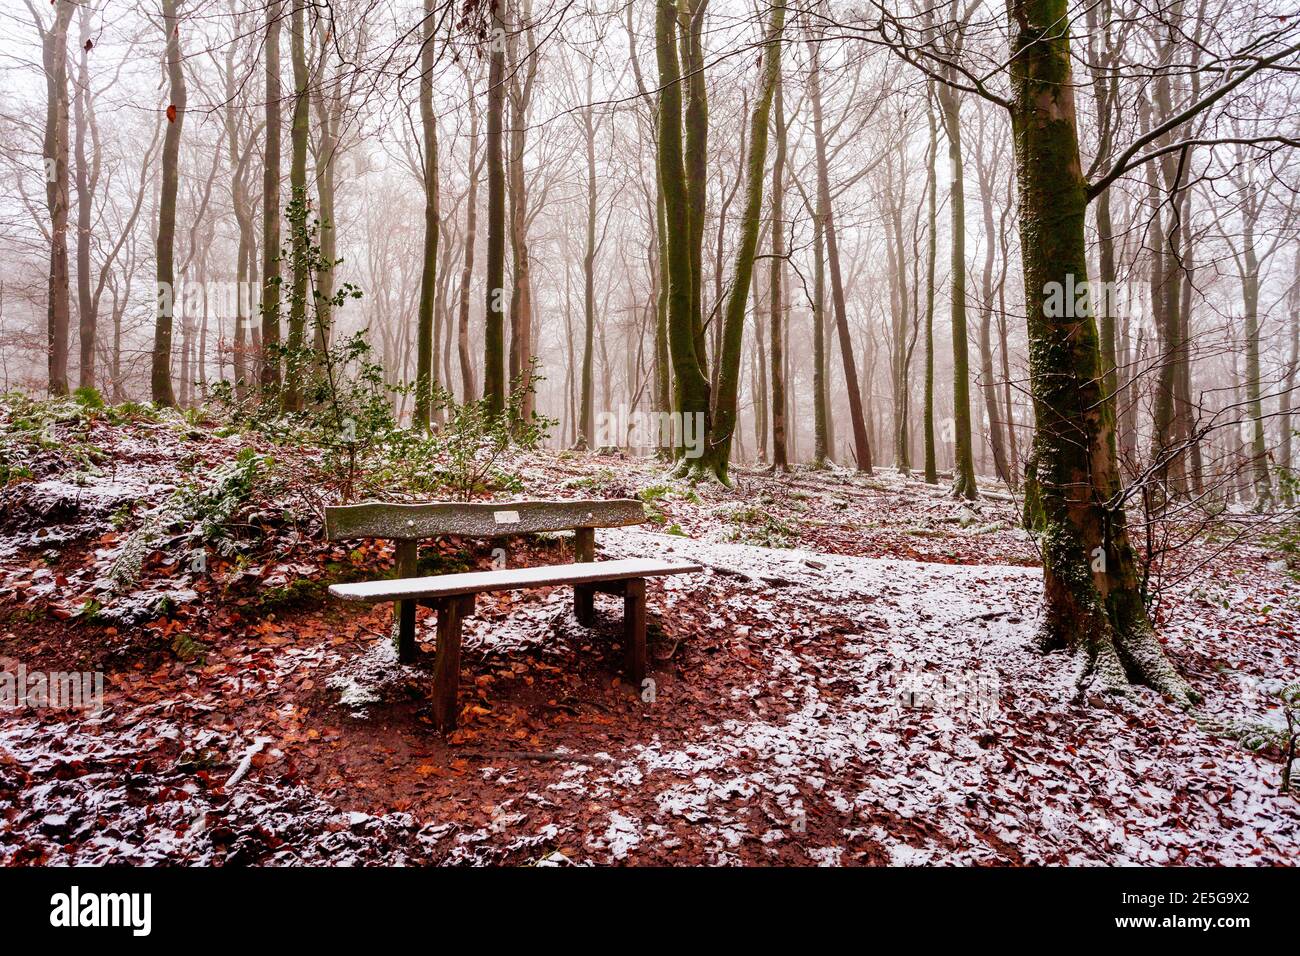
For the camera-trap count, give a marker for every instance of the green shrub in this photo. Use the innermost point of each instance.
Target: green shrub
(88, 397)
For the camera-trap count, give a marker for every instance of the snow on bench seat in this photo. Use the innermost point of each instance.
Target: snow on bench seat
(510, 579)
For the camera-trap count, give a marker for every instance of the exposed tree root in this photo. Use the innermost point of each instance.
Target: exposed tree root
(1145, 663)
(1114, 662)
(964, 489)
(696, 470)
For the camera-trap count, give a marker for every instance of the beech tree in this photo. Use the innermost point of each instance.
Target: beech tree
(298, 211)
(426, 372)
(54, 57)
(270, 359)
(690, 384)
(963, 476)
(718, 456)
(494, 383)
(161, 373)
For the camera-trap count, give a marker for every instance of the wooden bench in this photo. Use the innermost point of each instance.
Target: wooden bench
(452, 595)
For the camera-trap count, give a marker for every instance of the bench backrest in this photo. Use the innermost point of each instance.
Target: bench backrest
(490, 519)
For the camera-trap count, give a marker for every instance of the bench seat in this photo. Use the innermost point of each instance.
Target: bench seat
(507, 579)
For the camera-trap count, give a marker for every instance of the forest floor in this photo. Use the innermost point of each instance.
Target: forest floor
(851, 680)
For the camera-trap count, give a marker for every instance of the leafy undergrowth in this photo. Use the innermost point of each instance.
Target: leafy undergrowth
(867, 695)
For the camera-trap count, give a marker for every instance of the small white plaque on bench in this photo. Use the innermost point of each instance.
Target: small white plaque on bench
(506, 517)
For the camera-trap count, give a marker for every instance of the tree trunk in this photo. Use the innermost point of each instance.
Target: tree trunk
(759, 378)
(494, 384)
(1254, 405)
(690, 385)
(931, 255)
(733, 330)
(87, 179)
(989, 384)
(895, 258)
(821, 436)
(695, 158)
(1168, 453)
(270, 356)
(586, 421)
(160, 374)
(780, 460)
(861, 440)
(298, 219)
(1183, 391)
(244, 221)
(1287, 402)
(426, 373)
(521, 299)
(327, 122)
(1105, 88)
(1093, 600)
(663, 364)
(963, 470)
(468, 387)
(54, 53)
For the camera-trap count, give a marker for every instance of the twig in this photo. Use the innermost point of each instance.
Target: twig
(246, 762)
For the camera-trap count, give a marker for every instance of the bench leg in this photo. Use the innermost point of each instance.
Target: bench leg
(406, 631)
(406, 557)
(584, 549)
(446, 677)
(584, 604)
(634, 631)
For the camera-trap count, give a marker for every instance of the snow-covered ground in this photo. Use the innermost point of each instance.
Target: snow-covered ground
(873, 697)
(931, 730)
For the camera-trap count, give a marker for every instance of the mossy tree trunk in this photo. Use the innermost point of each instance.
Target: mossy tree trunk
(690, 384)
(270, 377)
(663, 362)
(718, 457)
(426, 374)
(663, 401)
(329, 116)
(1093, 600)
(695, 156)
(298, 132)
(963, 470)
